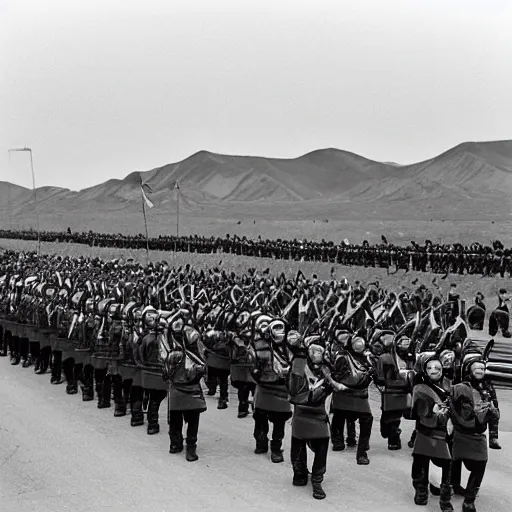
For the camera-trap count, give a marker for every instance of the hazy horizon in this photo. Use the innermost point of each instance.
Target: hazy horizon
(101, 89)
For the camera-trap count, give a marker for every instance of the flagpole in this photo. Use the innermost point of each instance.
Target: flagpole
(9, 197)
(145, 222)
(178, 211)
(35, 203)
(25, 149)
(177, 187)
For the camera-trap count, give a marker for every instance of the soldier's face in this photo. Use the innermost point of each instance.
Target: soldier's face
(478, 370)
(434, 370)
(448, 360)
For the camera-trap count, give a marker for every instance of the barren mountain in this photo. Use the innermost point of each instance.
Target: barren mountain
(473, 179)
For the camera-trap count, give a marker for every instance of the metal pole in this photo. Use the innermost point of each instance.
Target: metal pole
(177, 187)
(146, 227)
(9, 197)
(35, 203)
(35, 193)
(178, 212)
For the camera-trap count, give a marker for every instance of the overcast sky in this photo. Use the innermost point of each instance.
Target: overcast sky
(101, 88)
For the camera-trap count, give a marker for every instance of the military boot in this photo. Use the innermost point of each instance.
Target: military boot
(25, 352)
(421, 494)
(469, 501)
(300, 479)
(2, 341)
(211, 383)
(107, 391)
(191, 453)
(394, 441)
(445, 499)
(455, 478)
(137, 415)
(300, 471)
(15, 351)
(361, 455)
(37, 364)
(68, 367)
(276, 453)
(127, 389)
(119, 399)
(44, 361)
(155, 399)
(102, 388)
(261, 443)
(223, 394)
(337, 430)
(35, 352)
(56, 377)
(87, 383)
(176, 445)
(337, 444)
(494, 444)
(243, 409)
(316, 483)
(493, 435)
(351, 434)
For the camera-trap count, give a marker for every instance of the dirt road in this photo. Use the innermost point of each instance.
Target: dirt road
(58, 453)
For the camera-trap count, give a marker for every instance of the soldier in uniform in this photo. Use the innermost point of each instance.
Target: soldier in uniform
(310, 422)
(271, 403)
(242, 361)
(352, 404)
(393, 396)
(470, 409)
(431, 413)
(184, 371)
(218, 362)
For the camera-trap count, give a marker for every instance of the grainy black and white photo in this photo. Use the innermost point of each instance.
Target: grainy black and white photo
(255, 255)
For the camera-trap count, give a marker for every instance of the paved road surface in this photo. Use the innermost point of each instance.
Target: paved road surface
(60, 454)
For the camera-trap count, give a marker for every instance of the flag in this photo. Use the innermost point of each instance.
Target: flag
(143, 189)
(176, 186)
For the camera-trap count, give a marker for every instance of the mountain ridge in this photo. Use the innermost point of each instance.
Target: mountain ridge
(478, 172)
(134, 175)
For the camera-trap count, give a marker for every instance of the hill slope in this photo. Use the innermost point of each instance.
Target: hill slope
(471, 178)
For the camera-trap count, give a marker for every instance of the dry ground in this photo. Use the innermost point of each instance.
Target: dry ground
(59, 453)
(399, 230)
